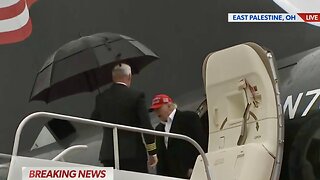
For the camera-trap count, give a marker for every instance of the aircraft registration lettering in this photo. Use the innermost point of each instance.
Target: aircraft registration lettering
(316, 93)
(288, 104)
(292, 109)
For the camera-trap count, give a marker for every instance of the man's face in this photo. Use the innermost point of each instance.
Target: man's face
(163, 112)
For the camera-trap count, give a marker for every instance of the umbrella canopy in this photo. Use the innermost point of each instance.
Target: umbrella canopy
(86, 64)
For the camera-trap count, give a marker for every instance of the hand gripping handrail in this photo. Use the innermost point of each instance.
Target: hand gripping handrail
(115, 136)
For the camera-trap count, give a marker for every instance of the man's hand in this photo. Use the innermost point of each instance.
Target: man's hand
(153, 160)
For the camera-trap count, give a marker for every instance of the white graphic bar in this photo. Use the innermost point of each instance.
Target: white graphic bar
(66, 173)
(263, 17)
(16, 22)
(7, 3)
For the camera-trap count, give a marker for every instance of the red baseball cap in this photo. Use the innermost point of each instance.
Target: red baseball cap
(159, 100)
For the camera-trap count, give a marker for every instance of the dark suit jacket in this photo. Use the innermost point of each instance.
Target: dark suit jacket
(122, 105)
(180, 155)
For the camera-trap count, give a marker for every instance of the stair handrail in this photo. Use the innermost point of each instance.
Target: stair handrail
(115, 127)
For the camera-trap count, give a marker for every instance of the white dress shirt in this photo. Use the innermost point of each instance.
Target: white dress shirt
(121, 83)
(167, 126)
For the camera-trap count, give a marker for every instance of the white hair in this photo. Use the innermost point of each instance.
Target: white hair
(121, 70)
(173, 105)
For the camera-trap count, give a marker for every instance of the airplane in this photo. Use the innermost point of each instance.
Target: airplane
(182, 40)
(294, 166)
(299, 98)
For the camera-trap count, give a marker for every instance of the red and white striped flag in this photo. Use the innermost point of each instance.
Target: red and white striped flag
(15, 22)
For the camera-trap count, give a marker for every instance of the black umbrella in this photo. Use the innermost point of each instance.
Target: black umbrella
(85, 65)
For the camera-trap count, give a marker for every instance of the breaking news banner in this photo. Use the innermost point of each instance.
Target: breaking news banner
(66, 173)
(273, 17)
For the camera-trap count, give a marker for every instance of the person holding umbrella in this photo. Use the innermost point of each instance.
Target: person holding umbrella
(123, 105)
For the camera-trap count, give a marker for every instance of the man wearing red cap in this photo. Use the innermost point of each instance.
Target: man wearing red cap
(122, 105)
(176, 157)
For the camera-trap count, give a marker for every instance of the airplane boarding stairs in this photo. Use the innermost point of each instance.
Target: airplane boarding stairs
(246, 126)
(19, 162)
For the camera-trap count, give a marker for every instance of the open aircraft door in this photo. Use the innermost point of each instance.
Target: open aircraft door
(246, 127)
